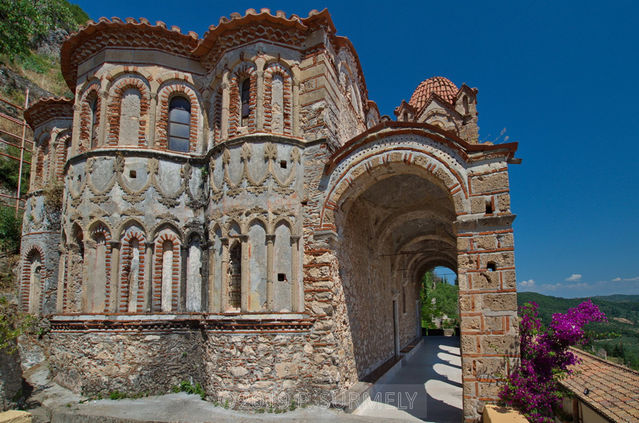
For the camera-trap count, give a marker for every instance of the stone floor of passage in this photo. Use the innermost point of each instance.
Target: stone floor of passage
(427, 386)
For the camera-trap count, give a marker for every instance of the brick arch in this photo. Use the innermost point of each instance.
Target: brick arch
(166, 92)
(114, 109)
(163, 236)
(270, 72)
(410, 159)
(240, 73)
(93, 88)
(25, 286)
(133, 232)
(63, 147)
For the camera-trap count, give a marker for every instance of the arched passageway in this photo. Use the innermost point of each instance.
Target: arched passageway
(402, 199)
(399, 225)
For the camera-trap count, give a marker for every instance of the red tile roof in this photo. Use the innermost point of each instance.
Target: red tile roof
(613, 390)
(438, 85)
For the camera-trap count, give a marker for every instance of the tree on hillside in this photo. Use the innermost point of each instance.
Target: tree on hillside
(22, 21)
(439, 299)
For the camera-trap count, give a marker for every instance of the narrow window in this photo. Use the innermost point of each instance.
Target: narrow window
(235, 277)
(491, 266)
(179, 124)
(93, 129)
(283, 164)
(245, 98)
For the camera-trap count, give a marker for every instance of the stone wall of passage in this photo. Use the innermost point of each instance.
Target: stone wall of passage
(368, 290)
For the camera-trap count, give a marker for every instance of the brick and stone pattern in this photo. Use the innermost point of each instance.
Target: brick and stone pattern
(278, 257)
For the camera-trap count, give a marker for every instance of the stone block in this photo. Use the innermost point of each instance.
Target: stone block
(499, 344)
(499, 302)
(494, 323)
(471, 323)
(485, 280)
(468, 344)
(489, 183)
(487, 242)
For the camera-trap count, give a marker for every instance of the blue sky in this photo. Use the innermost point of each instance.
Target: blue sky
(559, 77)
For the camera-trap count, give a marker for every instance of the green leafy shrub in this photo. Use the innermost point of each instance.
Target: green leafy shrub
(189, 388)
(21, 21)
(10, 230)
(13, 323)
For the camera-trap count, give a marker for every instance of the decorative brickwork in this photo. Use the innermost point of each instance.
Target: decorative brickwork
(89, 123)
(35, 256)
(101, 234)
(115, 107)
(165, 237)
(133, 247)
(282, 106)
(216, 115)
(242, 72)
(63, 147)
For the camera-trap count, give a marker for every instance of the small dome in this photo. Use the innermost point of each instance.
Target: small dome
(439, 85)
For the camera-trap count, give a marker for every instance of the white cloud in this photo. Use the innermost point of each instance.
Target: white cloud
(574, 277)
(527, 284)
(618, 279)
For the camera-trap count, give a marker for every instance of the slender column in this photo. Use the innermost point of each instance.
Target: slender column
(103, 129)
(115, 276)
(246, 273)
(152, 117)
(211, 280)
(270, 268)
(295, 119)
(226, 101)
(59, 303)
(148, 280)
(297, 303)
(259, 110)
(184, 251)
(224, 292)
(75, 133)
(88, 287)
(204, 276)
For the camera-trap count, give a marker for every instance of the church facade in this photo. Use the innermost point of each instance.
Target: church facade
(233, 210)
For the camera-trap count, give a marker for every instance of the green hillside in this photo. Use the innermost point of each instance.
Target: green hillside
(619, 336)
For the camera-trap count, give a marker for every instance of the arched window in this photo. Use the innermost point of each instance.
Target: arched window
(235, 276)
(245, 99)
(93, 127)
(179, 124)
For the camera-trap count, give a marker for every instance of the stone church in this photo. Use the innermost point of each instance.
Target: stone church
(232, 210)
